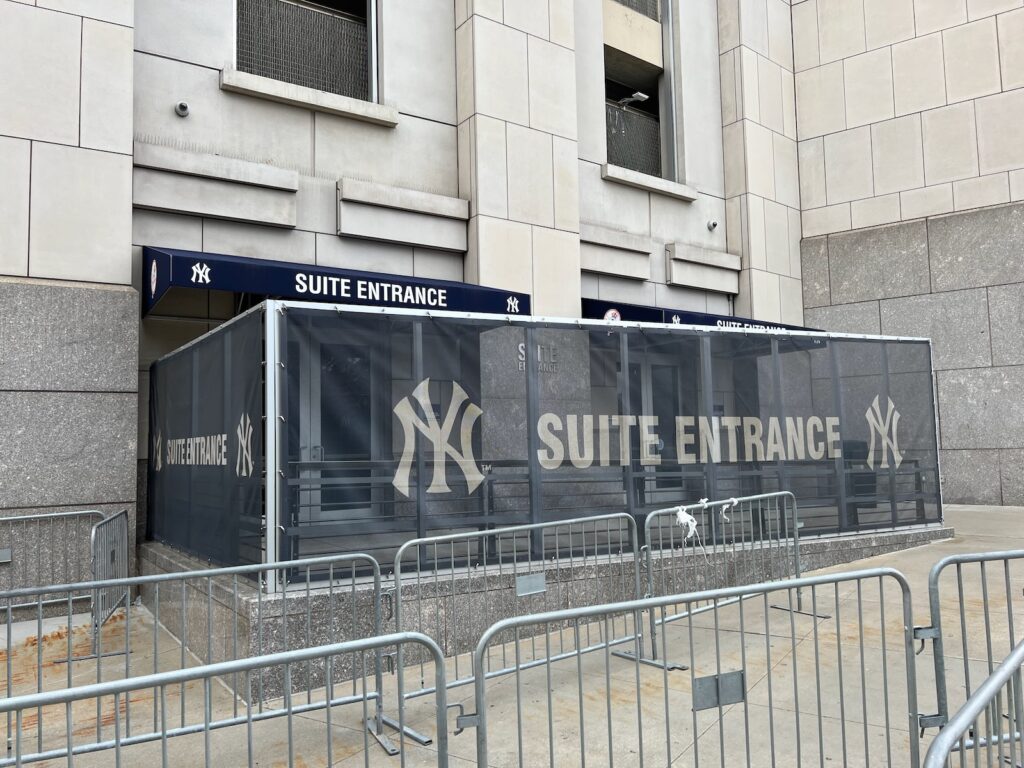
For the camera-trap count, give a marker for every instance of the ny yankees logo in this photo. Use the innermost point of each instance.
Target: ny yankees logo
(158, 461)
(512, 305)
(885, 429)
(200, 273)
(243, 461)
(438, 435)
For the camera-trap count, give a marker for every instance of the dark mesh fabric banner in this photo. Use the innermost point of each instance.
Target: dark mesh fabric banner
(405, 426)
(206, 463)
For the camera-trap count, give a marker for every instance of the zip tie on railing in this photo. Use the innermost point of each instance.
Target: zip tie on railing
(689, 525)
(730, 504)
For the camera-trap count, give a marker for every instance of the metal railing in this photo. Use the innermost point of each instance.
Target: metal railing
(109, 546)
(973, 602)
(454, 587)
(221, 734)
(35, 549)
(715, 544)
(762, 685)
(634, 139)
(649, 8)
(189, 617)
(304, 44)
(987, 729)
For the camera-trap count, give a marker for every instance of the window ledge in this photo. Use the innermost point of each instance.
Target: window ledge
(299, 96)
(648, 183)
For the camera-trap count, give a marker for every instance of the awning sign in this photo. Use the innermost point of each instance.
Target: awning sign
(596, 309)
(166, 268)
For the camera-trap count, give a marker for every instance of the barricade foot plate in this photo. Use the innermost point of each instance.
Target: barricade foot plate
(381, 738)
(667, 665)
(378, 733)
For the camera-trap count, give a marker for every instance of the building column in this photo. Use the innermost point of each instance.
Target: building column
(68, 314)
(761, 179)
(518, 158)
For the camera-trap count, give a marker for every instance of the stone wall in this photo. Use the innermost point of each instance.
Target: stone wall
(68, 318)
(958, 279)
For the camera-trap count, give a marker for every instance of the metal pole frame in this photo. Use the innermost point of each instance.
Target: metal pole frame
(271, 446)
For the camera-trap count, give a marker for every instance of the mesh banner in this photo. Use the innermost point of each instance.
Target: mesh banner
(408, 426)
(206, 463)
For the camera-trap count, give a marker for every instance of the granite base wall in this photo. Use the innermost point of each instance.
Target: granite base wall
(959, 280)
(456, 609)
(68, 387)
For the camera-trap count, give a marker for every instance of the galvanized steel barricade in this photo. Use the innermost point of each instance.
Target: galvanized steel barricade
(35, 549)
(987, 729)
(195, 617)
(108, 543)
(972, 600)
(454, 587)
(714, 544)
(765, 687)
(283, 732)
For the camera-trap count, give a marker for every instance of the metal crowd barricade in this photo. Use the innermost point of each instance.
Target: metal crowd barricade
(56, 546)
(454, 587)
(972, 601)
(175, 623)
(216, 719)
(987, 729)
(108, 543)
(726, 542)
(765, 687)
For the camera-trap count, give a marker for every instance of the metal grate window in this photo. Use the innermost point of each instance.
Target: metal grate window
(304, 45)
(634, 139)
(648, 8)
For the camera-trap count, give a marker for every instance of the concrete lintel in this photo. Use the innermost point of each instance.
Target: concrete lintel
(214, 167)
(648, 183)
(696, 267)
(609, 260)
(308, 98)
(613, 238)
(697, 255)
(385, 196)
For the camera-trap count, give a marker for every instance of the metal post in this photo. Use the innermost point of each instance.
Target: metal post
(271, 433)
(532, 440)
(840, 460)
(626, 410)
(707, 384)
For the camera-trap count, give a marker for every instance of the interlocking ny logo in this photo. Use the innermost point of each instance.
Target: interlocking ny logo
(512, 304)
(158, 444)
(886, 431)
(200, 273)
(439, 436)
(243, 461)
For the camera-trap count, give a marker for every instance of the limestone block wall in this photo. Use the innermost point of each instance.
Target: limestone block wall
(68, 327)
(906, 108)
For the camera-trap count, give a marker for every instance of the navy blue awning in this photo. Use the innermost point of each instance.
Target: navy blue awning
(166, 268)
(596, 309)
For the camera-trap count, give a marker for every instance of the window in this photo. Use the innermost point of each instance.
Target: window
(632, 113)
(648, 8)
(323, 45)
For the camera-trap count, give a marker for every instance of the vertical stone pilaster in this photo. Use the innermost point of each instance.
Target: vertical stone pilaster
(518, 156)
(759, 137)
